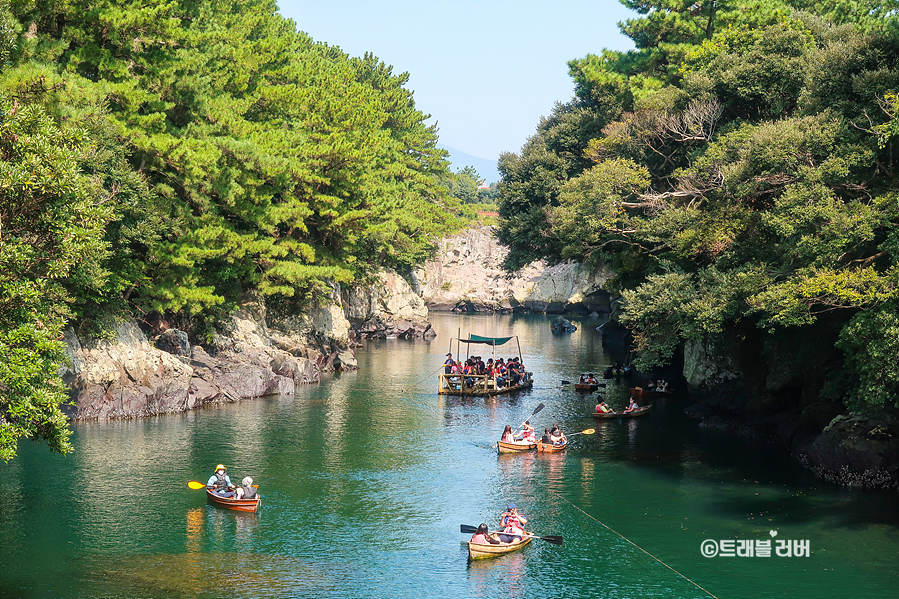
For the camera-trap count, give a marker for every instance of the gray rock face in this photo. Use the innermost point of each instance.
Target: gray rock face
(126, 377)
(467, 276)
(387, 308)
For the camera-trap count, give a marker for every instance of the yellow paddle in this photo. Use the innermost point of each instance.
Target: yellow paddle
(588, 431)
(194, 484)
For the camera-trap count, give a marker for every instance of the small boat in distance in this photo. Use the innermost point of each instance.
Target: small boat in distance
(586, 386)
(241, 505)
(616, 370)
(459, 383)
(503, 447)
(639, 392)
(607, 415)
(479, 551)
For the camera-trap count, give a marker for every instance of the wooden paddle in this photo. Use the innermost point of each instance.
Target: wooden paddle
(535, 412)
(588, 431)
(470, 530)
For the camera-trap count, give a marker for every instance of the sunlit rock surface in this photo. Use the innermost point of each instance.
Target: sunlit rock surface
(468, 276)
(386, 308)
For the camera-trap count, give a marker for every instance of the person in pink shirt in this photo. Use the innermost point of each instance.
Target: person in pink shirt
(483, 537)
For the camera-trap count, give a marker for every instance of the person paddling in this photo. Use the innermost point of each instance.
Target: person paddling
(557, 436)
(219, 483)
(631, 406)
(513, 524)
(527, 434)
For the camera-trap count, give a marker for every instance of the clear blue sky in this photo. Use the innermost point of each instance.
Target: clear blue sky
(486, 70)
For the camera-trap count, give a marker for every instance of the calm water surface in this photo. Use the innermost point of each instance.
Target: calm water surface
(366, 478)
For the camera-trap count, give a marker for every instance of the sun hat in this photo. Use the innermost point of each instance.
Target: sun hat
(220, 467)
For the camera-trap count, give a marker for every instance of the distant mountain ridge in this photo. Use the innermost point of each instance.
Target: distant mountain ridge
(459, 160)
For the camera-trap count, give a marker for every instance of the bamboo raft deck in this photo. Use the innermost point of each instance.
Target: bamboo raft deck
(476, 384)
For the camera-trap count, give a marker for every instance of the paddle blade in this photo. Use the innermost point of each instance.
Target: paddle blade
(566, 382)
(537, 409)
(466, 529)
(193, 484)
(552, 539)
(589, 431)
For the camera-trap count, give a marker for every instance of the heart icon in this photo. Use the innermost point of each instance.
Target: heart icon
(773, 533)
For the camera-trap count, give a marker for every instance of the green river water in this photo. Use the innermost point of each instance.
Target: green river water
(367, 476)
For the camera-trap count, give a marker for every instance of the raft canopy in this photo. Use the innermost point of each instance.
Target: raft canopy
(487, 340)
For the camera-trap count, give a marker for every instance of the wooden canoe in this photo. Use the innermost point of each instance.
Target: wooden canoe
(586, 386)
(634, 414)
(480, 551)
(649, 393)
(550, 448)
(504, 447)
(241, 505)
(610, 372)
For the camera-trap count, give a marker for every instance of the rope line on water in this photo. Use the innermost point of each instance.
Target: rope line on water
(634, 544)
(418, 382)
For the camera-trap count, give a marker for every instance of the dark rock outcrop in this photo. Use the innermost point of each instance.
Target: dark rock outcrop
(855, 451)
(770, 391)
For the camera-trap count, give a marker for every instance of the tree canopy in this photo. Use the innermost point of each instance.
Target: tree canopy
(166, 156)
(735, 170)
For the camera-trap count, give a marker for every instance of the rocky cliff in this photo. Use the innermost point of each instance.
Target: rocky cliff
(386, 307)
(467, 276)
(772, 390)
(130, 375)
(256, 352)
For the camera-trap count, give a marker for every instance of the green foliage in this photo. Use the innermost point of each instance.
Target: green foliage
(736, 172)
(463, 185)
(52, 218)
(166, 156)
(281, 163)
(870, 342)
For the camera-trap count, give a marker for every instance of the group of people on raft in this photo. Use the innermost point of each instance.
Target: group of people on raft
(220, 484)
(603, 408)
(512, 525)
(503, 372)
(551, 436)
